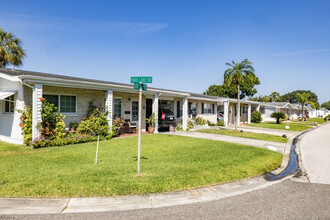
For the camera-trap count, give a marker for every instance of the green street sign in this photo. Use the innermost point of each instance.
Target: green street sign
(138, 86)
(141, 79)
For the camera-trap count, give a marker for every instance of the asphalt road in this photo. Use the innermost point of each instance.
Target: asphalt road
(287, 200)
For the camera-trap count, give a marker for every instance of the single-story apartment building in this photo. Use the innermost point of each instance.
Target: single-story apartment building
(72, 96)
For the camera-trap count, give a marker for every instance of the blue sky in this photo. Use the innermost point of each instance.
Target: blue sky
(184, 45)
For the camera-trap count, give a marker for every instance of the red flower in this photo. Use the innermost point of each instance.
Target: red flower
(41, 99)
(22, 117)
(21, 124)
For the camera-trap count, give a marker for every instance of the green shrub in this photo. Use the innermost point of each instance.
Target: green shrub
(95, 124)
(200, 121)
(256, 117)
(278, 116)
(26, 124)
(220, 123)
(179, 127)
(74, 125)
(70, 138)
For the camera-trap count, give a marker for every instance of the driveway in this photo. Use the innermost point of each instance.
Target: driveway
(315, 153)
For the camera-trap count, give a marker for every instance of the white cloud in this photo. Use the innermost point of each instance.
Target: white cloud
(299, 52)
(78, 25)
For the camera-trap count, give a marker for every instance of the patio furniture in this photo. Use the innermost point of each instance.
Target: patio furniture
(130, 127)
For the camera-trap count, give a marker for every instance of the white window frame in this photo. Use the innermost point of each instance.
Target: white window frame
(59, 104)
(113, 106)
(205, 108)
(245, 110)
(196, 109)
(10, 101)
(131, 109)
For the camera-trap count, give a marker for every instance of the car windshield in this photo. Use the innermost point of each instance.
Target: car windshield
(167, 111)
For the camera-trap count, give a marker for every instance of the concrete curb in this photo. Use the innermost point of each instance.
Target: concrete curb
(10, 206)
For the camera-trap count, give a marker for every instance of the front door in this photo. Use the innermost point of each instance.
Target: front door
(135, 111)
(148, 110)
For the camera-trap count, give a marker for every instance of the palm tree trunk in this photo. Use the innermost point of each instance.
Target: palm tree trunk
(303, 115)
(238, 107)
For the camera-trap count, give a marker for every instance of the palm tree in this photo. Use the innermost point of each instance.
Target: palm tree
(239, 73)
(275, 96)
(302, 99)
(11, 51)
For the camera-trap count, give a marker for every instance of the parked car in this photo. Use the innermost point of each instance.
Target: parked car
(220, 116)
(166, 118)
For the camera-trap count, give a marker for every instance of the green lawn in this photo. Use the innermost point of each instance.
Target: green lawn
(245, 134)
(309, 121)
(292, 125)
(169, 163)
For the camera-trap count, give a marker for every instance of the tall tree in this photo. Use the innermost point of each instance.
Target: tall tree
(260, 98)
(302, 99)
(326, 105)
(247, 90)
(11, 51)
(239, 73)
(292, 97)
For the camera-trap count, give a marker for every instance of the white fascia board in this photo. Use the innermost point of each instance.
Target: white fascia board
(10, 78)
(96, 86)
(243, 101)
(270, 105)
(203, 99)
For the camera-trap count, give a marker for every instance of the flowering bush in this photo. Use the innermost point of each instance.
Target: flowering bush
(70, 138)
(95, 124)
(39, 142)
(51, 118)
(26, 124)
(256, 117)
(190, 125)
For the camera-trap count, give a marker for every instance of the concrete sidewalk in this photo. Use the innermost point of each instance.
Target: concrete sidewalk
(238, 140)
(277, 132)
(315, 153)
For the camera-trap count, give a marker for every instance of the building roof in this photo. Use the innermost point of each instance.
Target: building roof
(24, 74)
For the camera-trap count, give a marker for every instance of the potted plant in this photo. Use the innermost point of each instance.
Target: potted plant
(151, 121)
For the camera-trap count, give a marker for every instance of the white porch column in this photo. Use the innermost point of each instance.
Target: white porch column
(36, 109)
(185, 114)
(155, 111)
(258, 108)
(108, 107)
(226, 112)
(19, 106)
(249, 114)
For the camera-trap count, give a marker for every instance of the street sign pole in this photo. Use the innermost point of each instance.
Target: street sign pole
(139, 127)
(139, 83)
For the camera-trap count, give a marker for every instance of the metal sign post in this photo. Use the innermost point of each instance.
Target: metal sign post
(139, 127)
(138, 84)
